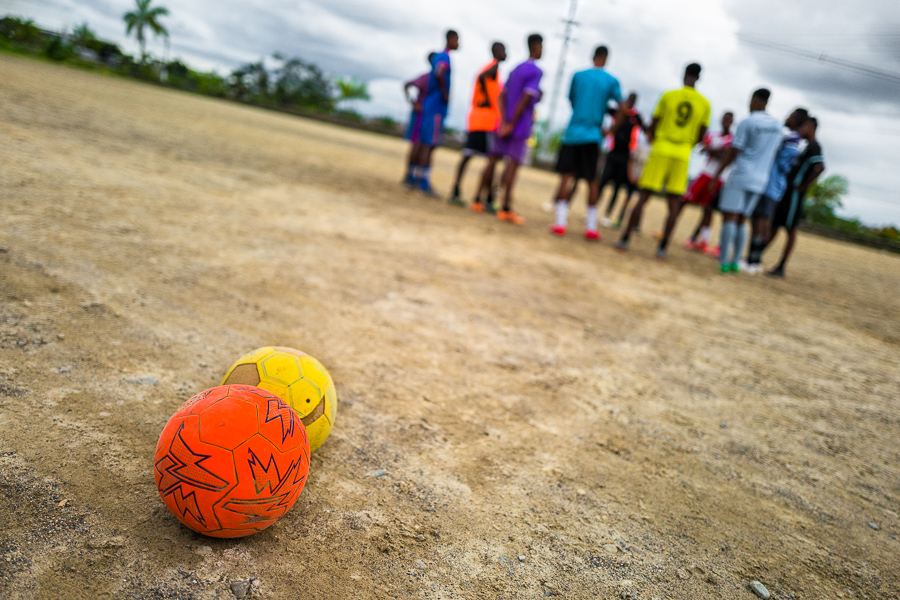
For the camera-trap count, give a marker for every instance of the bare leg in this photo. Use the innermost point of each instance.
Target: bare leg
(675, 205)
(509, 177)
(635, 217)
(566, 187)
(412, 159)
(487, 179)
(460, 171)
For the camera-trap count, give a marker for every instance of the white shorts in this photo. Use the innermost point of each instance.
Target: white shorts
(736, 200)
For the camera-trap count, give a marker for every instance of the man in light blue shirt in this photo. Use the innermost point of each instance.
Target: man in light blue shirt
(590, 94)
(753, 150)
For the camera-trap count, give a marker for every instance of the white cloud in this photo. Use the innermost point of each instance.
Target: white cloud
(384, 42)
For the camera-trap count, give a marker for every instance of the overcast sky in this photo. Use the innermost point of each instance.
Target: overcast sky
(384, 42)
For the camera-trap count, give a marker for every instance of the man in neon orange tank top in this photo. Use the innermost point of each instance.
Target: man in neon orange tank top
(484, 119)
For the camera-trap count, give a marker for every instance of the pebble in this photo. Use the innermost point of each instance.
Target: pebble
(712, 579)
(521, 558)
(203, 550)
(682, 574)
(241, 588)
(724, 425)
(760, 590)
(3, 249)
(60, 336)
(874, 526)
(419, 565)
(255, 583)
(63, 369)
(377, 473)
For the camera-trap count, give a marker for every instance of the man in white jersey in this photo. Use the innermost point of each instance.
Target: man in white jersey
(752, 151)
(714, 146)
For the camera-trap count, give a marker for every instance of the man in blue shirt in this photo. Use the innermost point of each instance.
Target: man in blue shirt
(590, 94)
(434, 110)
(765, 208)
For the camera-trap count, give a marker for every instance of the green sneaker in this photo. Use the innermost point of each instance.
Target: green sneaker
(725, 269)
(735, 268)
(455, 201)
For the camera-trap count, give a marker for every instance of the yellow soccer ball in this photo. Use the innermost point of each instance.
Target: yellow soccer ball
(298, 379)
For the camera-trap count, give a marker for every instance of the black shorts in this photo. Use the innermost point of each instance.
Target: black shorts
(765, 208)
(615, 169)
(579, 160)
(790, 210)
(478, 142)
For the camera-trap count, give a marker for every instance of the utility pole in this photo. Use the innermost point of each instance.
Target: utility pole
(570, 24)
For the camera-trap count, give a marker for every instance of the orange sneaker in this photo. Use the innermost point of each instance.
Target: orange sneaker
(510, 216)
(477, 207)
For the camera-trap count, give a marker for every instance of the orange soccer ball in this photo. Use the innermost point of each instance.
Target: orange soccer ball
(232, 461)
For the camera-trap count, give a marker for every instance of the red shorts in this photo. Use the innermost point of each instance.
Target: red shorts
(698, 193)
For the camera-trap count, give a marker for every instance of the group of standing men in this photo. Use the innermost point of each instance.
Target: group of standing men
(760, 173)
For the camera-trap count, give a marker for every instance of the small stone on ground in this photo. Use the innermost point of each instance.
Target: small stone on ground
(759, 589)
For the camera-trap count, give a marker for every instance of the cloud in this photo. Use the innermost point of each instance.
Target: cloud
(384, 42)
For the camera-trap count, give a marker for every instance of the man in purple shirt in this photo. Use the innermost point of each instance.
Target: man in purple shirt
(521, 92)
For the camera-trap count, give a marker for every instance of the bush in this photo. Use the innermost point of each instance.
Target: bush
(58, 50)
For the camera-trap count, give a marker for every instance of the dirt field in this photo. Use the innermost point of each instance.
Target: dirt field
(552, 418)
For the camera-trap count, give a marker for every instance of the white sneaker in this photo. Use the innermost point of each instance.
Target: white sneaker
(606, 222)
(743, 266)
(754, 269)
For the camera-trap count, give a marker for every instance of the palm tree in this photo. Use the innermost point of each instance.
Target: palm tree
(142, 18)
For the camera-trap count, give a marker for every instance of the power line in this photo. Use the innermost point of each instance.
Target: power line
(884, 75)
(571, 24)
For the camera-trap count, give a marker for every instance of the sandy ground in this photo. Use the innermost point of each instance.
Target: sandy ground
(552, 418)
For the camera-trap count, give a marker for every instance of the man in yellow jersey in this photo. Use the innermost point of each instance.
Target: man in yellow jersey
(484, 119)
(679, 123)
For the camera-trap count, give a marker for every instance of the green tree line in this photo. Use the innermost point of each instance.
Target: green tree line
(285, 82)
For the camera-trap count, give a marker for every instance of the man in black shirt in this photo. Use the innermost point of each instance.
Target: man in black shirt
(806, 170)
(615, 171)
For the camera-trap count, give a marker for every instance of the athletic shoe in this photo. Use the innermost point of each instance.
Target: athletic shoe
(605, 222)
(621, 246)
(661, 254)
(776, 272)
(703, 247)
(725, 269)
(735, 267)
(592, 236)
(742, 265)
(455, 201)
(714, 252)
(427, 190)
(409, 180)
(510, 216)
(616, 224)
(690, 245)
(753, 269)
(559, 230)
(477, 207)
(489, 208)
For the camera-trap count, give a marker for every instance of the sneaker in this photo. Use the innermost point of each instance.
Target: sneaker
(605, 222)
(703, 247)
(427, 190)
(455, 201)
(735, 267)
(725, 269)
(616, 224)
(510, 216)
(753, 269)
(592, 236)
(559, 230)
(776, 272)
(661, 254)
(489, 208)
(690, 245)
(621, 246)
(742, 265)
(477, 207)
(714, 252)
